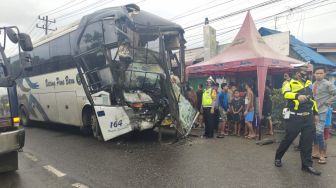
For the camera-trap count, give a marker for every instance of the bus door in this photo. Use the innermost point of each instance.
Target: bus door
(110, 115)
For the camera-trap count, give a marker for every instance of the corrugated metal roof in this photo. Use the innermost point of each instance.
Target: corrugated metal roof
(302, 49)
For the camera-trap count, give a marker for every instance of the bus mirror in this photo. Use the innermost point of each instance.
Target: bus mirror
(26, 61)
(12, 35)
(25, 42)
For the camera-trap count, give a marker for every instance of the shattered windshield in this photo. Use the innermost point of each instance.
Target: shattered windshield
(144, 71)
(138, 54)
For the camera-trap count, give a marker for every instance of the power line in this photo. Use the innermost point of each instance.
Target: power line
(63, 5)
(306, 18)
(229, 8)
(102, 3)
(282, 12)
(202, 10)
(69, 7)
(235, 13)
(82, 9)
(208, 14)
(32, 26)
(192, 10)
(267, 19)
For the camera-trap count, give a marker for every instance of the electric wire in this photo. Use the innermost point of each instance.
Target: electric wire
(279, 13)
(202, 10)
(235, 13)
(267, 19)
(195, 8)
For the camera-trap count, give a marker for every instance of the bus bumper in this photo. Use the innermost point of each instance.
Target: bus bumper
(11, 141)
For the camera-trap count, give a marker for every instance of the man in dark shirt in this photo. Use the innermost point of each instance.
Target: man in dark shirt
(199, 94)
(267, 107)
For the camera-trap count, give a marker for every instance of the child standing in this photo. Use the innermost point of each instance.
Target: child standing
(236, 108)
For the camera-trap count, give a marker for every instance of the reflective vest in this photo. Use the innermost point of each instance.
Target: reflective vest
(291, 91)
(207, 98)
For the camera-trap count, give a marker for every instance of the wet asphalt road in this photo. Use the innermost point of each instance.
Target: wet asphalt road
(137, 160)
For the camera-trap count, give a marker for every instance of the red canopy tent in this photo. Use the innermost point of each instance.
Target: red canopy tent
(247, 53)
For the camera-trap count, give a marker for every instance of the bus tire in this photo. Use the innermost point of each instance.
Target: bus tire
(85, 129)
(24, 117)
(95, 127)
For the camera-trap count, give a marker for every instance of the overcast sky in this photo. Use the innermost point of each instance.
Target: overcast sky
(313, 23)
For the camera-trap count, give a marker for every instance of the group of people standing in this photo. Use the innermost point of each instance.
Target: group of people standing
(308, 113)
(224, 108)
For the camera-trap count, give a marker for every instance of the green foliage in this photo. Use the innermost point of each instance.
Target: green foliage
(278, 104)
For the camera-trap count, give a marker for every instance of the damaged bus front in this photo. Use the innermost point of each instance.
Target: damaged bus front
(125, 59)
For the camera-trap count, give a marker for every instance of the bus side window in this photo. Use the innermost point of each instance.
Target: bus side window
(92, 37)
(40, 58)
(60, 53)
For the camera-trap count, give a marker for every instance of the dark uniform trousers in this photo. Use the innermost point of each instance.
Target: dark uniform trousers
(209, 122)
(295, 125)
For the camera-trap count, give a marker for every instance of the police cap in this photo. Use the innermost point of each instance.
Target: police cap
(300, 67)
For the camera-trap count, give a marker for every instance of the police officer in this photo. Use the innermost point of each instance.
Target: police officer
(207, 103)
(302, 113)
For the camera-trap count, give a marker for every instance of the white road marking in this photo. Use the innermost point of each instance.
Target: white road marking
(30, 156)
(54, 171)
(79, 185)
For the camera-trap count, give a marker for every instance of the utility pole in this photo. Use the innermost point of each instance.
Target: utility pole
(275, 22)
(45, 26)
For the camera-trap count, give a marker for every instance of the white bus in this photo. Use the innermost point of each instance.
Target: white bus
(109, 74)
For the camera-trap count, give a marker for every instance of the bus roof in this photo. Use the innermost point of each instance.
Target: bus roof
(143, 21)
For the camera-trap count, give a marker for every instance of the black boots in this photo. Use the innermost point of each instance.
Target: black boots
(277, 163)
(311, 170)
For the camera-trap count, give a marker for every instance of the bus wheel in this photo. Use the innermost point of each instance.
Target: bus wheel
(25, 121)
(95, 127)
(85, 129)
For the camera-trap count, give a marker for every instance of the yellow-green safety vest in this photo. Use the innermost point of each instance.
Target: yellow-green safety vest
(206, 98)
(291, 89)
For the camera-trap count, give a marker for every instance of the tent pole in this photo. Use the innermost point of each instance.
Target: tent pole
(261, 77)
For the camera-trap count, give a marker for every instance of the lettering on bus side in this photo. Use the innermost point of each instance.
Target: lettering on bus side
(59, 82)
(115, 124)
(50, 83)
(69, 81)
